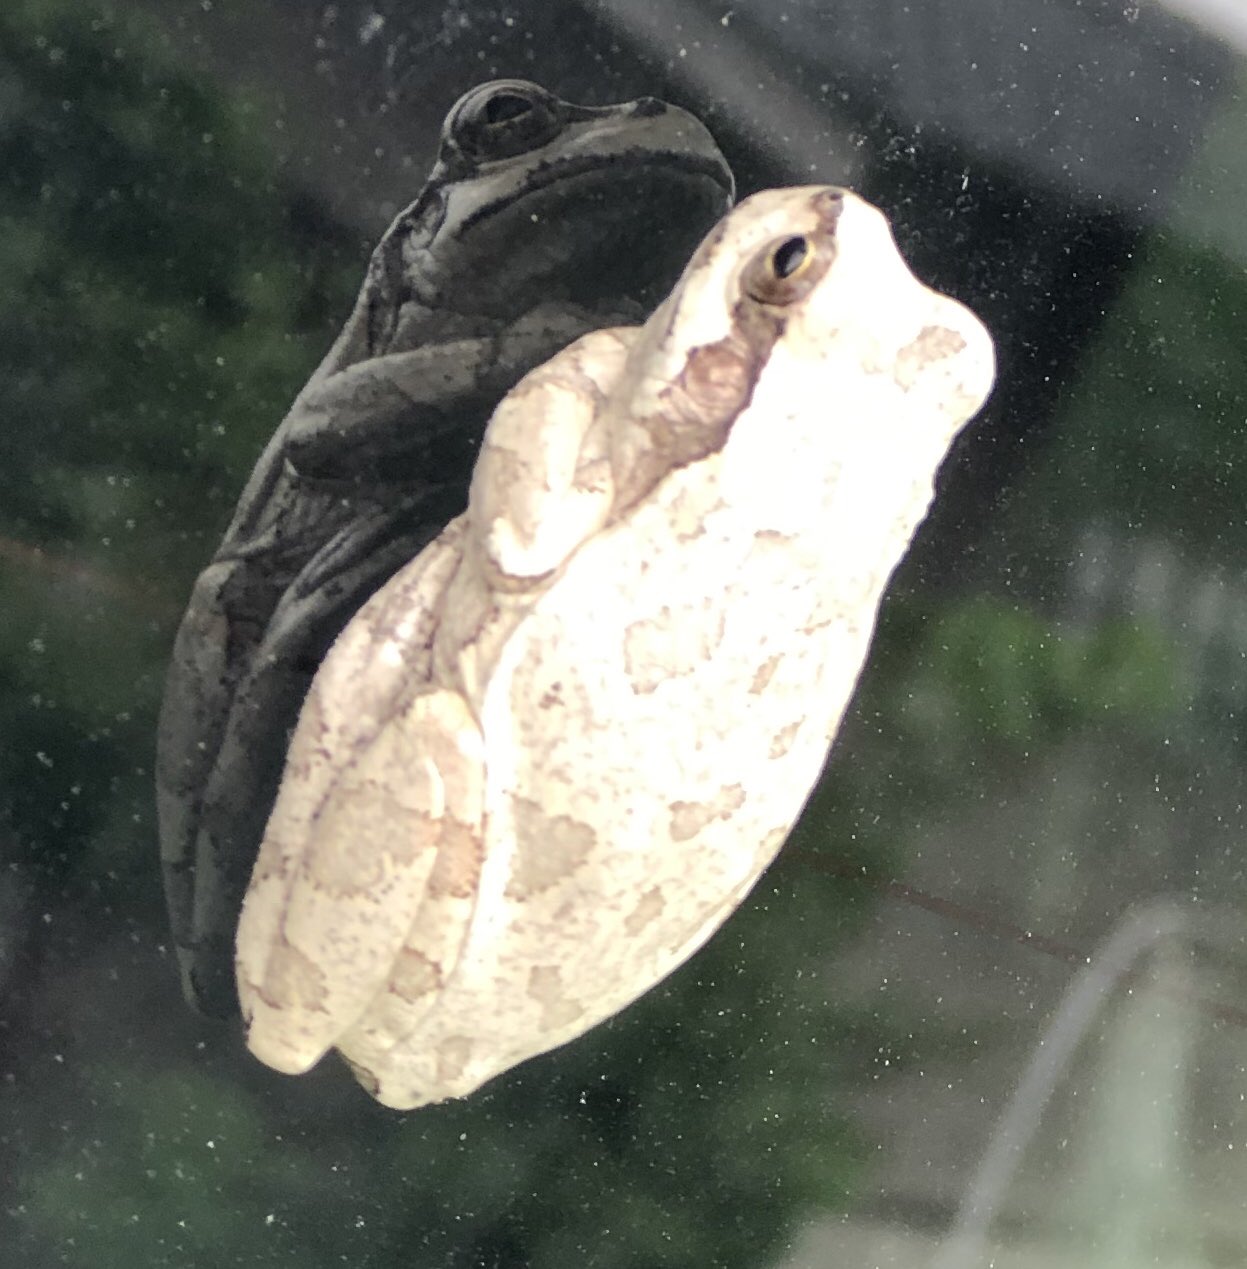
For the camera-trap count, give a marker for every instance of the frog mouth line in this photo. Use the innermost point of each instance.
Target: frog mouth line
(557, 170)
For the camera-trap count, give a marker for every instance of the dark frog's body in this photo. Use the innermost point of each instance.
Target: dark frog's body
(541, 220)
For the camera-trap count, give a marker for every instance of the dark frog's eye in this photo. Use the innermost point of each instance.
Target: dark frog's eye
(785, 270)
(501, 120)
(505, 107)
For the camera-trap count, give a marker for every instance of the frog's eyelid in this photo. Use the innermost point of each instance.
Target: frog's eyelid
(475, 134)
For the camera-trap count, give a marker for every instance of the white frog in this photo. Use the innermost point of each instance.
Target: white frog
(552, 755)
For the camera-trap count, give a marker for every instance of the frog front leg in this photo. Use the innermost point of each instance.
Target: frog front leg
(400, 403)
(544, 483)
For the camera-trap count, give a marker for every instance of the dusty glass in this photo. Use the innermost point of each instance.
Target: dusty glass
(985, 1009)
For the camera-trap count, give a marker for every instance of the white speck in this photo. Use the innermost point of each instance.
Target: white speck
(371, 27)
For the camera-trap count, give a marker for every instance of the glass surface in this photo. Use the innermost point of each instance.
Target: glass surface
(986, 1008)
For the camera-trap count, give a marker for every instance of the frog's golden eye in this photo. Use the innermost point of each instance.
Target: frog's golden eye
(785, 270)
(789, 257)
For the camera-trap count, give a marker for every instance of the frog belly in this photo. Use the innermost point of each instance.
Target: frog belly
(652, 733)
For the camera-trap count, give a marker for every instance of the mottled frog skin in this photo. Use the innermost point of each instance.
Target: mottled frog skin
(541, 220)
(551, 756)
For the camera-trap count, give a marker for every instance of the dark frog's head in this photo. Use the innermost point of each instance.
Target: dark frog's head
(534, 199)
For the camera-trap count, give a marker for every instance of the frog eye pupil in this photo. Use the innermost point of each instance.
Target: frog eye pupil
(503, 107)
(786, 270)
(789, 256)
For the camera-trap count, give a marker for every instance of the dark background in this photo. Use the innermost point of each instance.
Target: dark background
(1046, 743)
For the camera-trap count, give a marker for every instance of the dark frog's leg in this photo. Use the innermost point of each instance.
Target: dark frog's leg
(242, 786)
(225, 619)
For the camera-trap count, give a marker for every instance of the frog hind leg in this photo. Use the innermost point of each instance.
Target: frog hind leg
(379, 663)
(376, 1047)
(210, 648)
(241, 786)
(317, 947)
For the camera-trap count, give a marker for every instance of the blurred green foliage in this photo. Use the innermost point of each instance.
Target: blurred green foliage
(1011, 678)
(1154, 427)
(165, 295)
(668, 1137)
(158, 274)
(167, 292)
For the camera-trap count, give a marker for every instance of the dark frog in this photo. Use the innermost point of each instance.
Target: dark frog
(540, 220)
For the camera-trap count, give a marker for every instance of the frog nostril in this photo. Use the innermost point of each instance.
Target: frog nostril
(828, 206)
